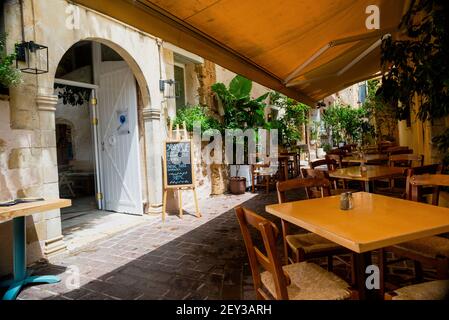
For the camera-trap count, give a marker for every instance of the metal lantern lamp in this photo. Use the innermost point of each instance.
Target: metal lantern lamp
(168, 88)
(34, 55)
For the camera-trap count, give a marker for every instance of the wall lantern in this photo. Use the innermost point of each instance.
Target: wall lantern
(35, 57)
(168, 88)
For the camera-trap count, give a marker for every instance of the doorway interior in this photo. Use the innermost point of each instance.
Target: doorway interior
(97, 135)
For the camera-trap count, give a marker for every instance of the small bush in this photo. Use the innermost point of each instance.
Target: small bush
(192, 114)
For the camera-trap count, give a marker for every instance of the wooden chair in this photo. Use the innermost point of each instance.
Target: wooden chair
(432, 251)
(398, 150)
(329, 163)
(406, 160)
(403, 161)
(299, 281)
(308, 245)
(293, 163)
(432, 290)
(313, 173)
(263, 175)
(338, 158)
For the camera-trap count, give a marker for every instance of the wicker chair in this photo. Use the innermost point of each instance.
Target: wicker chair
(298, 281)
(431, 251)
(306, 245)
(432, 290)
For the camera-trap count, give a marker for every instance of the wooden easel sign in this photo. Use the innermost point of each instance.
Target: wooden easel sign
(178, 169)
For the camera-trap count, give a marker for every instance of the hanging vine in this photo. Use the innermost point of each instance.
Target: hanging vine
(71, 95)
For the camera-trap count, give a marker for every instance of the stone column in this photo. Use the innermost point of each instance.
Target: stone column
(153, 141)
(53, 239)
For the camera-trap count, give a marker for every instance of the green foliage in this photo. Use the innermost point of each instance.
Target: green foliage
(294, 115)
(192, 114)
(442, 143)
(9, 75)
(240, 111)
(418, 66)
(348, 124)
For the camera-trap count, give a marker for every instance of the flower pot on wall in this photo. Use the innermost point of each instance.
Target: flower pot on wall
(237, 185)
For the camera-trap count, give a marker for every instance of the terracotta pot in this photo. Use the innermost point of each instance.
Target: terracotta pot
(237, 185)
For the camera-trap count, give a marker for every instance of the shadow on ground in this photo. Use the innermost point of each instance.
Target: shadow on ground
(208, 262)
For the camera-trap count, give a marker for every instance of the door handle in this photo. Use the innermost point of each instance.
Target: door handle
(102, 146)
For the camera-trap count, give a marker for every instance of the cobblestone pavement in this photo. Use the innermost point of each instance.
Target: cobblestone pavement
(180, 259)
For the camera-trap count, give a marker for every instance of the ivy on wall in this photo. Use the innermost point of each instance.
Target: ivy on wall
(9, 75)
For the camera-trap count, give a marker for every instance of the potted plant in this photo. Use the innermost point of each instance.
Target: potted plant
(237, 183)
(239, 111)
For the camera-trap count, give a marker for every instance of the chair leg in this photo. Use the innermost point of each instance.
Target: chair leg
(418, 271)
(330, 263)
(284, 234)
(267, 179)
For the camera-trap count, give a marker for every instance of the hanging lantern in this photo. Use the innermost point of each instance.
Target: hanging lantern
(35, 57)
(168, 87)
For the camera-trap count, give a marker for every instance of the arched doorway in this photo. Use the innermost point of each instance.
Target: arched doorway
(100, 96)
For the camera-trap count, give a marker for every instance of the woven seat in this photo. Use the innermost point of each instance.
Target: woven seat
(309, 282)
(431, 247)
(433, 290)
(311, 243)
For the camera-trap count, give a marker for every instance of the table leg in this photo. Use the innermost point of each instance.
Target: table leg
(368, 187)
(361, 261)
(21, 277)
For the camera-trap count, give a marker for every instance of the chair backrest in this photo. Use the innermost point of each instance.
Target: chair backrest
(330, 163)
(338, 158)
(428, 169)
(434, 180)
(406, 160)
(269, 260)
(313, 173)
(398, 150)
(301, 183)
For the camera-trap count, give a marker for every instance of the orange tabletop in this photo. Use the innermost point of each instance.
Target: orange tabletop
(372, 173)
(26, 209)
(375, 222)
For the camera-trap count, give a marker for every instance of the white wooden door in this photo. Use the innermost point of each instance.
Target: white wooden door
(119, 140)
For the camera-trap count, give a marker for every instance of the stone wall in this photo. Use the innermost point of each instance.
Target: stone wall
(27, 132)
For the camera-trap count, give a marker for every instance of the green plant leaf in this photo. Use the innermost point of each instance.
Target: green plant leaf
(240, 87)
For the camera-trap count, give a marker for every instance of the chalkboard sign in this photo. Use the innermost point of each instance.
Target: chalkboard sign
(178, 164)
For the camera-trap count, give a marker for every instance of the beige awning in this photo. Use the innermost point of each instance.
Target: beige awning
(307, 49)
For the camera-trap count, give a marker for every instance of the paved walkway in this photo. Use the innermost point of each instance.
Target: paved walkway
(180, 259)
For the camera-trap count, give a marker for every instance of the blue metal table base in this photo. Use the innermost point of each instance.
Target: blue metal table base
(21, 277)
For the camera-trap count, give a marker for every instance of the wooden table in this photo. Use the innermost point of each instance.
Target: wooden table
(372, 173)
(366, 158)
(18, 213)
(375, 222)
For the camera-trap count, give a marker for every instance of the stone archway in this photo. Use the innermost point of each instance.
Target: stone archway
(33, 105)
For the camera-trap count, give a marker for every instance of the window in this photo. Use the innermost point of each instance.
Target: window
(180, 89)
(362, 93)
